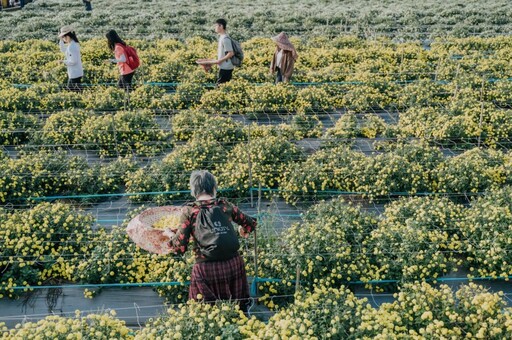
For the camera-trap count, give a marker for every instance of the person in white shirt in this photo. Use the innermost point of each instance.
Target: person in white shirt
(70, 47)
(224, 53)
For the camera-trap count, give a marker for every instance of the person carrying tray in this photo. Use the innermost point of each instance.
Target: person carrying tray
(219, 270)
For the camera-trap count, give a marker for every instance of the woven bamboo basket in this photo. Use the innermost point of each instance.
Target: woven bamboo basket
(141, 231)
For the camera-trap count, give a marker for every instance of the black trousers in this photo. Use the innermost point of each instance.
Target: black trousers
(224, 76)
(75, 84)
(88, 6)
(125, 81)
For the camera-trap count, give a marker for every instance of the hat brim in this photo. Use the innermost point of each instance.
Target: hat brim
(287, 47)
(64, 33)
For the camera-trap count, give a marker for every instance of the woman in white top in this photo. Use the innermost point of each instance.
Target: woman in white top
(70, 47)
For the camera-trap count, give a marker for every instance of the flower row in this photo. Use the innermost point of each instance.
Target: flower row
(320, 59)
(336, 243)
(49, 173)
(455, 99)
(420, 311)
(268, 160)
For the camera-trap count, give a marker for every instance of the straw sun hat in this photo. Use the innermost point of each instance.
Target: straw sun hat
(284, 43)
(65, 30)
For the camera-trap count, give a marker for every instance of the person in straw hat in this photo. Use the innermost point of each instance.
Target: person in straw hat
(219, 270)
(284, 58)
(69, 45)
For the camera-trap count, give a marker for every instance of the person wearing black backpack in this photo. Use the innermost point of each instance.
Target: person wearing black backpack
(117, 45)
(224, 52)
(219, 271)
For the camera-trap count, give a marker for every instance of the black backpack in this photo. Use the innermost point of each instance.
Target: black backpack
(238, 58)
(215, 235)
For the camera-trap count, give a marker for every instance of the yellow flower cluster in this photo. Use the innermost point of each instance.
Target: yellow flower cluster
(421, 311)
(269, 98)
(92, 326)
(15, 127)
(43, 243)
(61, 127)
(122, 133)
(173, 172)
(475, 170)
(195, 123)
(416, 239)
(322, 313)
(404, 168)
(172, 269)
(170, 221)
(268, 157)
(486, 232)
(116, 259)
(200, 321)
(47, 173)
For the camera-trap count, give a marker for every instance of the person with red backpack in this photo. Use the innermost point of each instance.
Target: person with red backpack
(219, 271)
(125, 57)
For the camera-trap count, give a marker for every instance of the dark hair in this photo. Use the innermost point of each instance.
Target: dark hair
(72, 35)
(222, 22)
(113, 39)
(202, 181)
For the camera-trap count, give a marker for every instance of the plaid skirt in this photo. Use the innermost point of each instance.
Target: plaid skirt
(220, 280)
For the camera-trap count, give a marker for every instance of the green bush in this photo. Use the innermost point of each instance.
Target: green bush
(124, 133)
(486, 229)
(40, 245)
(416, 239)
(16, 128)
(173, 172)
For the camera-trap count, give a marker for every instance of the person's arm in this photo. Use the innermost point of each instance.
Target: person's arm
(228, 56)
(62, 46)
(179, 241)
(247, 223)
(120, 57)
(273, 63)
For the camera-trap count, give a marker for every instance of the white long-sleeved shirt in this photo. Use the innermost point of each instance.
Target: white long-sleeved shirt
(72, 60)
(279, 58)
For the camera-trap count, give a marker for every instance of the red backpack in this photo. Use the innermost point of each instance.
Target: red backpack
(132, 59)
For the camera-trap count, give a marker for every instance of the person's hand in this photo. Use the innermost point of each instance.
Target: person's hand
(169, 233)
(243, 233)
